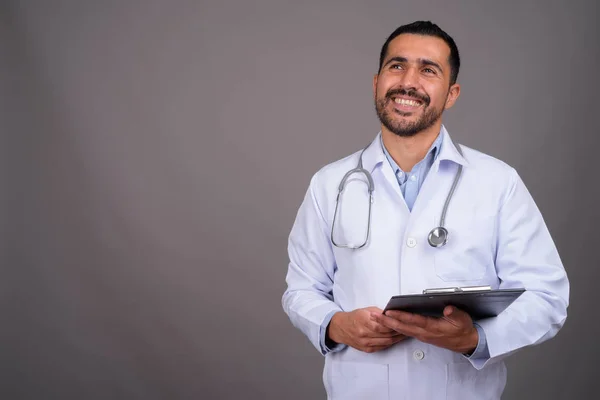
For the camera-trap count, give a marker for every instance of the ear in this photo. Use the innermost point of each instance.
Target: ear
(453, 94)
(375, 86)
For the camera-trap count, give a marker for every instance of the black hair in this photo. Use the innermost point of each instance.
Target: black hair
(427, 28)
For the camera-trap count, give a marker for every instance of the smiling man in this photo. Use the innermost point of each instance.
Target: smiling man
(361, 236)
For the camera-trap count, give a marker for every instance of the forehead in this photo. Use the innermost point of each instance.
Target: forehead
(413, 47)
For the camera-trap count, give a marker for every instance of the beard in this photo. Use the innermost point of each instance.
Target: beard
(405, 128)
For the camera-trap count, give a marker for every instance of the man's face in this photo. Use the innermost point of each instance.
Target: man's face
(413, 87)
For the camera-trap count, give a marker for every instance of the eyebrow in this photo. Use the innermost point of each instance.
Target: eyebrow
(422, 61)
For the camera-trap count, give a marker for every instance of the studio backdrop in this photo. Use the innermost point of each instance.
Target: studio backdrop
(155, 154)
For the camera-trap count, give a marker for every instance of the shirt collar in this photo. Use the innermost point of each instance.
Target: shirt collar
(374, 154)
(432, 153)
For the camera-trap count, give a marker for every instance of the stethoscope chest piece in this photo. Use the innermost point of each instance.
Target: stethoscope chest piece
(438, 236)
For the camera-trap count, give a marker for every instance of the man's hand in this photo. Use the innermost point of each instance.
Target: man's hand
(454, 331)
(358, 329)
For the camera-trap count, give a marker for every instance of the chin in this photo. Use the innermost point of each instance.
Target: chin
(405, 134)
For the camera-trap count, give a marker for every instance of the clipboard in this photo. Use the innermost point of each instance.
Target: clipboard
(478, 301)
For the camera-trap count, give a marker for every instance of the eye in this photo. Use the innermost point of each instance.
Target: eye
(429, 70)
(396, 66)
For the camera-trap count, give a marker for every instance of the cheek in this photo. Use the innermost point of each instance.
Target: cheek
(385, 83)
(381, 88)
(438, 97)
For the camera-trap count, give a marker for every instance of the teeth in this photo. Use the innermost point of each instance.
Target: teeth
(405, 102)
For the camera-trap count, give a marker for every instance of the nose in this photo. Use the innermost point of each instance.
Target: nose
(409, 79)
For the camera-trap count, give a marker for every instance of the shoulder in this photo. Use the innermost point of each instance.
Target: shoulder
(489, 176)
(325, 182)
(487, 166)
(333, 172)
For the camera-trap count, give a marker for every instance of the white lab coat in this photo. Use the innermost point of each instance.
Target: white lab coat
(497, 238)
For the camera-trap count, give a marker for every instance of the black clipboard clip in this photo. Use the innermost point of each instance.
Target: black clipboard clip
(464, 289)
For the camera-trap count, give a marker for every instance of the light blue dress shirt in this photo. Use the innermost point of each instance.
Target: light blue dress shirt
(410, 184)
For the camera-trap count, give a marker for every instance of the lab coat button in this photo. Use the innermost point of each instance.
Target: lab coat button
(411, 242)
(418, 355)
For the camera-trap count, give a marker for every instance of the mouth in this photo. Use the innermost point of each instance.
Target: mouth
(406, 104)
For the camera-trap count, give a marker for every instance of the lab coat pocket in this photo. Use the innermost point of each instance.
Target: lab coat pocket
(469, 251)
(467, 383)
(350, 380)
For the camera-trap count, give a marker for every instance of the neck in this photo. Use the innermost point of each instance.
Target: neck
(408, 151)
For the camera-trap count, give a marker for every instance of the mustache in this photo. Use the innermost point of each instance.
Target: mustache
(410, 93)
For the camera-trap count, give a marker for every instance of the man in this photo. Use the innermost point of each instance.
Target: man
(348, 258)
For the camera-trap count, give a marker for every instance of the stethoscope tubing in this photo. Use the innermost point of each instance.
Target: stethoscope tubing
(437, 237)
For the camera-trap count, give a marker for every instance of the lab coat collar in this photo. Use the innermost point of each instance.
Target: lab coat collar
(449, 151)
(374, 156)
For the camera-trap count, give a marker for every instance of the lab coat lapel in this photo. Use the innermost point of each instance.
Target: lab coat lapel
(375, 162)
(431, 187)
(438, 180)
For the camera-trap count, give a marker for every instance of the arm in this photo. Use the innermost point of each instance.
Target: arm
(308, 299)
(526, 257)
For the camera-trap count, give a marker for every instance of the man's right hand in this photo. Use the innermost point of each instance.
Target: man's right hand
(356, 329)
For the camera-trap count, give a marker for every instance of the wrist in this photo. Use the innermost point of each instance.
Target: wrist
(332, 332)
(473, 341)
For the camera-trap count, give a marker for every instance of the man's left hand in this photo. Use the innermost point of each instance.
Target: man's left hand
(453, 331)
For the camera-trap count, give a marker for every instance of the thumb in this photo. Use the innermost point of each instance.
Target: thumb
(449, 311)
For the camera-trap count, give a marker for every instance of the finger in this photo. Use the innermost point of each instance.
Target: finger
(391, 334)
(395, 340)
(457, 317)
(375, 326)
(373, 311)
(377, 330)
(412, 319)
(399, 338)
(375, 342)
(399, 326)
(380, 329)
(448, 310)
(372, 329)
(374, 349)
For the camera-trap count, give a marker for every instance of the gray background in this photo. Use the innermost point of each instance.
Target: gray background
(155, 154)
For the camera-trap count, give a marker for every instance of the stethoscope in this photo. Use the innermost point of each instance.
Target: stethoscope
(437, 237)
